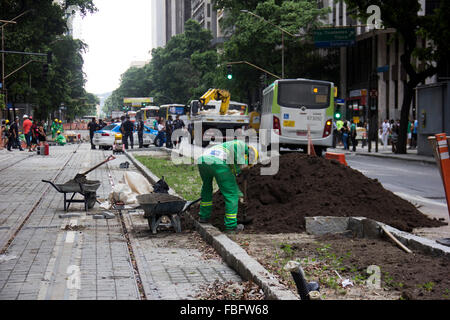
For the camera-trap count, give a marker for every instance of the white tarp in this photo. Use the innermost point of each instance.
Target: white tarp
(129, 187)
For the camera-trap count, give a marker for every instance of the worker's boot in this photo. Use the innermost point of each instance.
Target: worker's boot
(239, 228)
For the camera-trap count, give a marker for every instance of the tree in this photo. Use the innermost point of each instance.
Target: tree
(258, 42)
(419, 63)
(186, 67)
(42, 28)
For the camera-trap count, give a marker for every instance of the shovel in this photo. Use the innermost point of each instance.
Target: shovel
(80, 177)
(245, 219)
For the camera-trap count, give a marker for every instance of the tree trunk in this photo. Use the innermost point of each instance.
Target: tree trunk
(404, 117)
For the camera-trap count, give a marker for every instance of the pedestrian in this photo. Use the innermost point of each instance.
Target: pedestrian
(339, 125)
(92, 126)
(394, 137)
(409, 131)
(54, 128)
(101, 124)
(14, 135)
(161, 136)
(34, 134)
(3, 138)
(169, 131)
(385, 128)
(6, 133)
(365, 133)
(353, 133)
(42, 134)
(222, 163)
(26, 128)
(127, 131)
(140, 130)
(345, 135)
(415, 130)
(60, 127)
(177, 125)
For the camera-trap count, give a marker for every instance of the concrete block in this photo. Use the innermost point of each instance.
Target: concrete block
(323, 225)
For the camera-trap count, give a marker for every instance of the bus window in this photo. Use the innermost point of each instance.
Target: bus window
(298, 94)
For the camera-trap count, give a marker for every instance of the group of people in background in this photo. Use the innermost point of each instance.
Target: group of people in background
(346, 134)
(93, 126)
(166, 129)
(33, 131)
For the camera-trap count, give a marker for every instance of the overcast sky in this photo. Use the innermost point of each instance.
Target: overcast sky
(119, 33)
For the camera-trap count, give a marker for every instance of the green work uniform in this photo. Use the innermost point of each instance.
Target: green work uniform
(222, 162)
(61, 140)
(60, 128)
(54, 128)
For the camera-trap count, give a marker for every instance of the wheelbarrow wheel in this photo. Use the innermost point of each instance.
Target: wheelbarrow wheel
(91, 199)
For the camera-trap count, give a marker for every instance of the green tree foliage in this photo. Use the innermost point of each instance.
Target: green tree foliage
(42, 28)
(186, 67)
(435, 29)
(183, 70)
(259, 42)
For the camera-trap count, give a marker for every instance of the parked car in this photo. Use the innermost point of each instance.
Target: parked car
(105, 138)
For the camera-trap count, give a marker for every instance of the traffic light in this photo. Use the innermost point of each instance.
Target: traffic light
(229, 72)
(337, 114)
(143, 104)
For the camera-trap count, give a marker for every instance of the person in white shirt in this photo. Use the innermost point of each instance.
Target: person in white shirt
(385, 133)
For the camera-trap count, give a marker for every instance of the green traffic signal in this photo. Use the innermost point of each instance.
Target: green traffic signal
(229, 72)
(337, 115)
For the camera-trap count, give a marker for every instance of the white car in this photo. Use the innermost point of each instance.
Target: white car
(105, 137)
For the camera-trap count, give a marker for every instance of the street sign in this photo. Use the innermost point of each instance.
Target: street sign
(340, 101)
(334, 37)
(383, 69)
(137, 102)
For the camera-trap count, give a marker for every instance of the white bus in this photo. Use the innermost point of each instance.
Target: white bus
(292, 106)
(148, 114)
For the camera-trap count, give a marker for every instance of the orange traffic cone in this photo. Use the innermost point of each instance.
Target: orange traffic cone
(311, 150)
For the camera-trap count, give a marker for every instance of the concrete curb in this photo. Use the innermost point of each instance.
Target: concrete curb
(367, 228)
(431, 161)
(236, 257)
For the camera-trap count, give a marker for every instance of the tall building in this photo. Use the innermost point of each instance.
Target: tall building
(169, 17)
(372, 65)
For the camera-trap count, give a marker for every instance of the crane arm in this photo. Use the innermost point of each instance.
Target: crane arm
(217, 94)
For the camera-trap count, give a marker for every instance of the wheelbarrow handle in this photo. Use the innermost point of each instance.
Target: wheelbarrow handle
(54, 186)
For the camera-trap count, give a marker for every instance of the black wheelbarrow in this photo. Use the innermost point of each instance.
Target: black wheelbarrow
(158, 205)
(88, 189)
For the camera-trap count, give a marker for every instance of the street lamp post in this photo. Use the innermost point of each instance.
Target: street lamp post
(6, 22)
(283, 31)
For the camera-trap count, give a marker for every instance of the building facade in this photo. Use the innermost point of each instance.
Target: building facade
(372, 76)
(169, 17)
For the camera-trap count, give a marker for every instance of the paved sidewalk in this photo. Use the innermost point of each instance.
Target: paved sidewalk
(385, 153)
(78, 257)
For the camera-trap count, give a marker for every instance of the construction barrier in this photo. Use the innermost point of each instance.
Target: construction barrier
(336, 156)
(444, 164)
(75, 126)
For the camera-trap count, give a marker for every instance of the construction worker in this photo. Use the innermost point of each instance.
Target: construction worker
(54, 128)
(60, 139)
(60, 126)
(223, 162)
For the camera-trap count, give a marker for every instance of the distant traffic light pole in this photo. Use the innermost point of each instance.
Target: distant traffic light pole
(252, 65)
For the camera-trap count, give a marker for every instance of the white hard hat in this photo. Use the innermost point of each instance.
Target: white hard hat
(25, 116)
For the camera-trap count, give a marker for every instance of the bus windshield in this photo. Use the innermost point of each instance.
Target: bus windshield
(152, 113)
(296, 94)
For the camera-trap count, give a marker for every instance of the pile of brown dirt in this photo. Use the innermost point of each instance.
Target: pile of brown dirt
(312, 186)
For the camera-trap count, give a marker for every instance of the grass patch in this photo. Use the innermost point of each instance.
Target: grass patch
(183, 178)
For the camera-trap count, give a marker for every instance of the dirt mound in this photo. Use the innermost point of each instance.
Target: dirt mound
(311, 186)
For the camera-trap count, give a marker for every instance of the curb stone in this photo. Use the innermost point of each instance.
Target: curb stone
(233, 254)
(367, 228)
